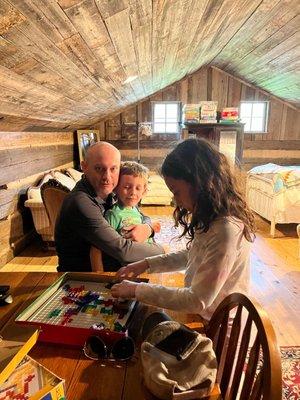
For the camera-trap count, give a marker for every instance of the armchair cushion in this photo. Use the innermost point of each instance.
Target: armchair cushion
(64, 179)
(34, 192)
(73, 173)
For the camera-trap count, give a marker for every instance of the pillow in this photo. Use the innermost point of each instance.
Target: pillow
(64, 179)
(34, 192)
(73, 173)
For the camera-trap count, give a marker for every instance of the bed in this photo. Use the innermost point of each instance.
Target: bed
(273, 192)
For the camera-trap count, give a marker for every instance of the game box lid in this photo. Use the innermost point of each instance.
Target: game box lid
(15, 342)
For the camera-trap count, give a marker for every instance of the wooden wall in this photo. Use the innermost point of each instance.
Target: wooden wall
(280, 145)
(25, 156)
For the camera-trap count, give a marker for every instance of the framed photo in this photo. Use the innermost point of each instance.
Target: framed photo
(85, 138)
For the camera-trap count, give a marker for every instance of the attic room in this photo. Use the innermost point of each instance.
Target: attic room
(150, 77)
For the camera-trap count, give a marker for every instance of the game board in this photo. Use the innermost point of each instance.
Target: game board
(71, 310)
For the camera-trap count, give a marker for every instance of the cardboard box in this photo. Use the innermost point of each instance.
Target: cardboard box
(80, 326)
(230, 114)
(208, 112)
(21, 377)
(191, 113)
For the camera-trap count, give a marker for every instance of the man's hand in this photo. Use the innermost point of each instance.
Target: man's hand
(125, 289)
(132, 270)
(137, 233)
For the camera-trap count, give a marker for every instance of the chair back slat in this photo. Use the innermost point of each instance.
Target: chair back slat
(240, 364)
(257, 387)
(232, 344)
(222, 336)
(251, 368)
(246, 372)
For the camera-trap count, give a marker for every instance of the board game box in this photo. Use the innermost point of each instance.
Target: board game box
(21, 377)
(77, 306)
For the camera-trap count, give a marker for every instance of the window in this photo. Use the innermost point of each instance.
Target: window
(254, 114)
(166, 116)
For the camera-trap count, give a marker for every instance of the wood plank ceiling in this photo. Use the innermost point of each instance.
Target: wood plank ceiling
(63, 63)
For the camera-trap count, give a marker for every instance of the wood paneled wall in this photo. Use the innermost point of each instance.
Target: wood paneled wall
(25, 157)
(280, 145)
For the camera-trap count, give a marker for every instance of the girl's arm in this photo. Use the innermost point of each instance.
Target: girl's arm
(213, 268)
(168, 262)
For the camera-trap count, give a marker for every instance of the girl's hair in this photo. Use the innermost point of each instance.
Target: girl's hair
(200, 164)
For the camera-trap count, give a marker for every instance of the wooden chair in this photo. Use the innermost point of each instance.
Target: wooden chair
(247, 353)
(53, 194)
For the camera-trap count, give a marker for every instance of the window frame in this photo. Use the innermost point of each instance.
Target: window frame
(179, 108)
(265, 116)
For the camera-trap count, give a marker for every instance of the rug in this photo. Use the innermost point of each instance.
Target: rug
(290, 362)
(168, 235)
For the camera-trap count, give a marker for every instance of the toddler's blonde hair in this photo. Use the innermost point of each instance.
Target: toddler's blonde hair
(134, 169)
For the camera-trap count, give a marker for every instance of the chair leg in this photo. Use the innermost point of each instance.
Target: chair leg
(272, 231)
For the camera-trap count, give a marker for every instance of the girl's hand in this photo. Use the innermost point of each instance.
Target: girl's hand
(132, 270)
(125, 289)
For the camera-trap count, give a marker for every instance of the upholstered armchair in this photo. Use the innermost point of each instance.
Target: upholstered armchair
(35, 202)
(53, 194)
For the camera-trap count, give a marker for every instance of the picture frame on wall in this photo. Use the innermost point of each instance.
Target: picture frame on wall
(85, 138)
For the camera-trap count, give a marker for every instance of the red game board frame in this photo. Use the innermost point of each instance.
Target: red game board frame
(68, 335)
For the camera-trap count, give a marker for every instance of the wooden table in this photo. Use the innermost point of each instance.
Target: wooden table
(84, 379)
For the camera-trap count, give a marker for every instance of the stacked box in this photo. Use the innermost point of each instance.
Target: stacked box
(208, 112)
(191, 113)
(230, 115)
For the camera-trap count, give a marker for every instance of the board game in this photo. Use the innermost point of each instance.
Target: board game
(77, 306)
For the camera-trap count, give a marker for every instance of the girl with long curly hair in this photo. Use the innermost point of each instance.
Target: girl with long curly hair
(218, 224)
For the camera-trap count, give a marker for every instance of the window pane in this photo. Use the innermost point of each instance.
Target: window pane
(171, 120)
(171, 128)
(159, 111)
(166, 117)
(258, 109)
(159, 128)
(246, 109)
(257, 125)
(247, 121)
(172, 111)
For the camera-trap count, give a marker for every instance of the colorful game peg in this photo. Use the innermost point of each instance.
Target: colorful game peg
(54, 313)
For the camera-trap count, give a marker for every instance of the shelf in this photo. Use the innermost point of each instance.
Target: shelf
(210, 125)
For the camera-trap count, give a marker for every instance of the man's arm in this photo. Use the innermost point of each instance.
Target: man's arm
(92, 226)
(140, 232)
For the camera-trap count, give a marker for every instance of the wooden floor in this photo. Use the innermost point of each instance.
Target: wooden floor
(275, 273)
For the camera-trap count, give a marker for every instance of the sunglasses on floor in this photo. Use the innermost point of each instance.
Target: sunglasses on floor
(95, 349)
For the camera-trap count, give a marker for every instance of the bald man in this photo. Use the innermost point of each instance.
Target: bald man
(81, 224)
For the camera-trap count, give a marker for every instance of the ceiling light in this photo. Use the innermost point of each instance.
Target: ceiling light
(130, 79)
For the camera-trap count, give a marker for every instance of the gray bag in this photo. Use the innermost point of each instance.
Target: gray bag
(178, 362)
